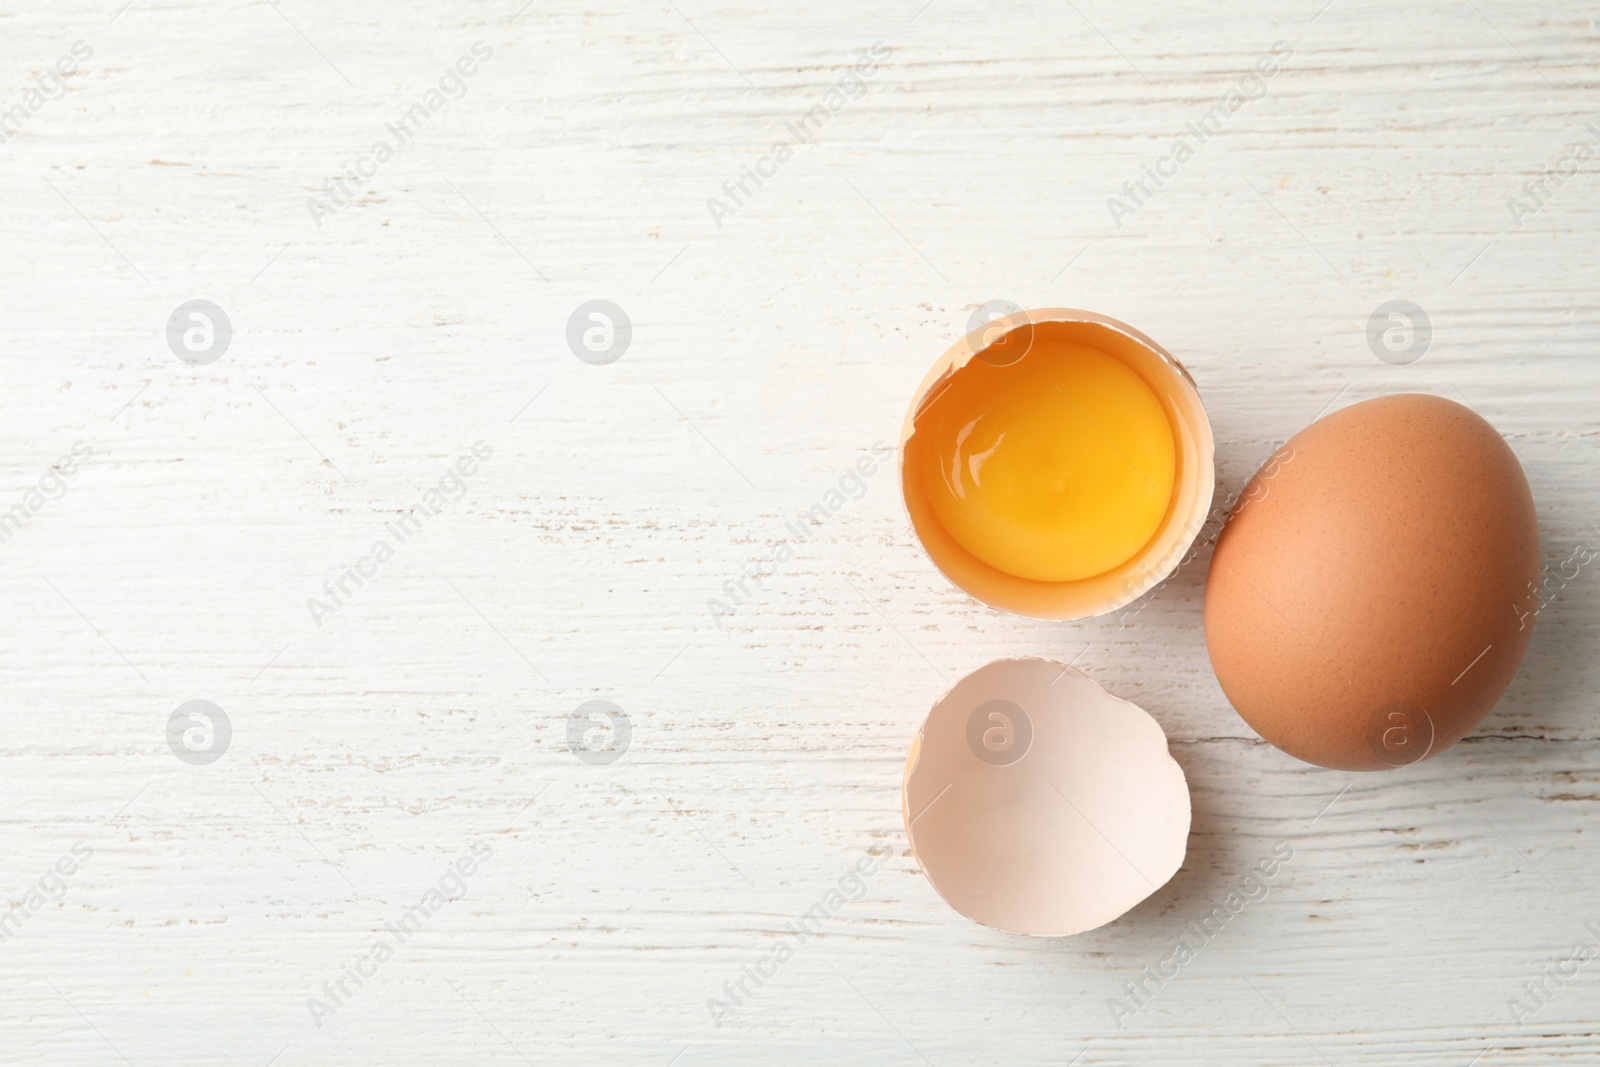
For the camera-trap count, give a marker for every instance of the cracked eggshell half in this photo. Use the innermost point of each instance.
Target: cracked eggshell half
(1038, 803)
(1004, 340)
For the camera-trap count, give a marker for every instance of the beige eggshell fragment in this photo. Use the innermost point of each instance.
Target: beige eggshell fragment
(1038, 803)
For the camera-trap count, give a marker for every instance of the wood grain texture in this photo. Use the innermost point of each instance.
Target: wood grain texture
(769, 353)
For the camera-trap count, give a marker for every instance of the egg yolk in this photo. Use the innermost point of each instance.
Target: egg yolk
(1056, 467)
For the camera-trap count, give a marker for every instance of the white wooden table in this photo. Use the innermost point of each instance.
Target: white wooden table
(425, 308)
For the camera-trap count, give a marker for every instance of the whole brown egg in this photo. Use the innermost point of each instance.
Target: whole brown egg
(1373, 593)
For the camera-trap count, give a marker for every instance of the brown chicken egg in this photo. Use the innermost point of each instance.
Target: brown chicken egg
(1371, 598)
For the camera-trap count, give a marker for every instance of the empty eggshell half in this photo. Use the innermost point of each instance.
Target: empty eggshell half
(1038, 803)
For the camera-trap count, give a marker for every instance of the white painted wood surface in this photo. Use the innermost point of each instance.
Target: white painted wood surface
(769, 353)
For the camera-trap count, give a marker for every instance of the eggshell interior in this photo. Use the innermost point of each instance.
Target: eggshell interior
(1088, 820)
(1192, 490)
